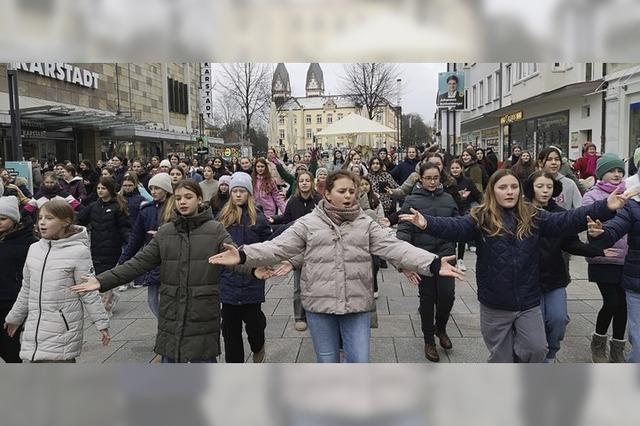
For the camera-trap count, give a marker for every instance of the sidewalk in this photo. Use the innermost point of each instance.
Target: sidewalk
(398, 338)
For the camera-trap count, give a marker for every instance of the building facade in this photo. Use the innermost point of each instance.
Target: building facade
(295, 121)
(94, 111)
(531, 105)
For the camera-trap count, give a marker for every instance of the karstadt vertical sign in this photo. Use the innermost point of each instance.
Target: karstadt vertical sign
(206, 89)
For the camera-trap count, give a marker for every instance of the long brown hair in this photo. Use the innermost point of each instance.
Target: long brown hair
(313, 192)
(488, 215)
(110, 184)
(231, 213)
(268, 183)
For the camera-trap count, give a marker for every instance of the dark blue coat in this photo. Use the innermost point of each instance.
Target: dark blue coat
(402, 171)
(139, 237)
(14, 247)
(239, 289)
(507, 269)
(626, 221)
(134, 202)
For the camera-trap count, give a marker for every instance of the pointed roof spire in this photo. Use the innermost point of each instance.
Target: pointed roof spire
(315, 80)
(280, 85)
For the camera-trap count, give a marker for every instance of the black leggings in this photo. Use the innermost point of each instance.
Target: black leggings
(614, 307)
(9, 346)
(461, 247)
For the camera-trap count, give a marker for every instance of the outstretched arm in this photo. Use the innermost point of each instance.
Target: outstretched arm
(458, 228)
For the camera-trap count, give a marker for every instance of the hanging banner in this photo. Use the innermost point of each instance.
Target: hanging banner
(20, 169)
(451, 90)
(206, 93)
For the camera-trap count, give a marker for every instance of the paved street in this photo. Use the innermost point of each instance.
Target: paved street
(398, 338)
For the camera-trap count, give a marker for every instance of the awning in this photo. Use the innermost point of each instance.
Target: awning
(142, 132)
(55, 117)
(354, 124)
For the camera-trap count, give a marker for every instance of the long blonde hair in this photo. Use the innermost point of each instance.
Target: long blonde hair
(231, 213)
(488, 215)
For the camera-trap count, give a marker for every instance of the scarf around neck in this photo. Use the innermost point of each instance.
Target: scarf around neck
(339, 215)
(609, 187)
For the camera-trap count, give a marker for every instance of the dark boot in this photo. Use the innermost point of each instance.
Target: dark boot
(431, 353)
(616, 352)
(445, 342)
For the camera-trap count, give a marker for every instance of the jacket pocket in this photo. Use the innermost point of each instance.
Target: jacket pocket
(66, 323)
(168, 305)
(204, 303)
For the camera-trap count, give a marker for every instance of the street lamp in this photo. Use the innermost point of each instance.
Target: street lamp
(14, 112)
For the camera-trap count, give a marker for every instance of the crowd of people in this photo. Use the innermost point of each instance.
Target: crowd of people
(203, 237)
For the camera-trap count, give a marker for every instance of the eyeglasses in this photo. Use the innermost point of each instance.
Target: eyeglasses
(431, 178)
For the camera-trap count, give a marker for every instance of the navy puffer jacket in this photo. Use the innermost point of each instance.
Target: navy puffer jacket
(626, 221)
(240, 289)
(507, 269)
(402, 171)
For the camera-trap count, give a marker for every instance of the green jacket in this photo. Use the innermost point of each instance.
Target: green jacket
(189, 321)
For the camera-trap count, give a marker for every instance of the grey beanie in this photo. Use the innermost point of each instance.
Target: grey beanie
(241, 180)
(9, 208)
(162, 181)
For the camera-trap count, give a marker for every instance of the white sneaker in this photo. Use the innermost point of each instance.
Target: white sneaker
(123, 287)
(472, 249)
(460, 265)
(375, 294)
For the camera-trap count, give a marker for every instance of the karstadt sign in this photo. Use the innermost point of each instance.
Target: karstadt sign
(62, 72)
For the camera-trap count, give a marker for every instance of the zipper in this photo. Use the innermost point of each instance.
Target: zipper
(66, 324)
(44, 264)
(186, 303)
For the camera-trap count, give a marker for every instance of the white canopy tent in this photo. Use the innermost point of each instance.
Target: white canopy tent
(353, 125)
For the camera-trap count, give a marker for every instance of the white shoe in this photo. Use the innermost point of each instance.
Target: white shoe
(460, 265)
(472, 249)
(123, 287)
(375, 294)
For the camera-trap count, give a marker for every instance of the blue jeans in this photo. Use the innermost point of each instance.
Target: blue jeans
(633, 325)
(166, 360)
(153, 299)
(327, 329)
(556, 318)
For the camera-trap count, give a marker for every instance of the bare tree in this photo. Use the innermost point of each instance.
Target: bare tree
(247, 87)
(371, 84)
(227, 112)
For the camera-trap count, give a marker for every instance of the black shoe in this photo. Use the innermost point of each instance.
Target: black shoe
(431, 353)
(445, 342)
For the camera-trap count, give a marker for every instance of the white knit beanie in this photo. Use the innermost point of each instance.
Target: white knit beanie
(9, 208)
(162, 181)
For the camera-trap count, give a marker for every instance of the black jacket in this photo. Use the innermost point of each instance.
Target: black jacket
(402, 171)
(464, 183)
(14, 247)
(553, 270)
(436, 203)
(110, 229)
(296, 208)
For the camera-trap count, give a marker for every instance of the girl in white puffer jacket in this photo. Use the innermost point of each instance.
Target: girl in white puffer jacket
(53, 314)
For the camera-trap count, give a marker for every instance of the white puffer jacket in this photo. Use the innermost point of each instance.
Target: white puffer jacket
(55, 314)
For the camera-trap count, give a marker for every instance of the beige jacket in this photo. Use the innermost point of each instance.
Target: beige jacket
(337, 276)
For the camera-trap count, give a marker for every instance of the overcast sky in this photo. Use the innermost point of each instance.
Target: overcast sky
(419, 84)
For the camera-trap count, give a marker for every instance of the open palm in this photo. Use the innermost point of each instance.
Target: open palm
(229, 257)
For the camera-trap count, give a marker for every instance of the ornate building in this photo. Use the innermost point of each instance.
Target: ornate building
(296, 120)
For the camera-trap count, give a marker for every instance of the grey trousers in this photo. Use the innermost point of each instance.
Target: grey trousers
(298, 310)
(513, 336)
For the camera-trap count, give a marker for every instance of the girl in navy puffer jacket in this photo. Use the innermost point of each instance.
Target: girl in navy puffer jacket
(242, 296)
(507, 232)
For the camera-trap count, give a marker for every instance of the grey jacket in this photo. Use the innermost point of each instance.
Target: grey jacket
(337, 277)
(54, 314)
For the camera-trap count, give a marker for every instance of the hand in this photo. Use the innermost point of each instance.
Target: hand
(594, 229)
(106, 338)
(447, 270)
(88, 283)
(612, 252)
(413, 277)
(229, 257)
(617, 201)
(464, 194)
(284, 268)
(270, 219)
(389, 190)
(415, 217)
(384, 222)
(11, 328)
(152, 233)
(263, 272)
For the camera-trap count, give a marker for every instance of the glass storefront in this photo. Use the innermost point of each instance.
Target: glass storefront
(537, 133)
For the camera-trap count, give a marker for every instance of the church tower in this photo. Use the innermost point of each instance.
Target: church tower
(315, 80)
(280, 85)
